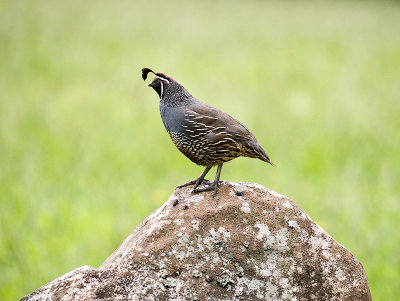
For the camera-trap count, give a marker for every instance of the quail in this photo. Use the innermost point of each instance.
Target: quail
(206, 135)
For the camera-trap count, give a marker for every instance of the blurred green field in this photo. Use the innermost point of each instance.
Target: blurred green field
(84, 156)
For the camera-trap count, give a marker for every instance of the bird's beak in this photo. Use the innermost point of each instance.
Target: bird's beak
(151, 84)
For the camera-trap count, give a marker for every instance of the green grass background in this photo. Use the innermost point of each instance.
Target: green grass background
(84, 156)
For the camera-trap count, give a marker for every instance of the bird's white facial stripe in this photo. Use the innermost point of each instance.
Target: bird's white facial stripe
(162, 89)
(162, 78)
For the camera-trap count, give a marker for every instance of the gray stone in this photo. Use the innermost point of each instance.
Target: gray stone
(252, 245)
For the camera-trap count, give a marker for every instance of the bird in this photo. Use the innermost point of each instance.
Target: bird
(207, 136)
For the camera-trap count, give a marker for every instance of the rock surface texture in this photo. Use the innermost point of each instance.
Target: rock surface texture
(249, 243)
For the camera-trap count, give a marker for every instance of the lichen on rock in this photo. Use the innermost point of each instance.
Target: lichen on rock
(249, 243)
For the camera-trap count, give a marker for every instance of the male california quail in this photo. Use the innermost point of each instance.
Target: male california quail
(207, 136)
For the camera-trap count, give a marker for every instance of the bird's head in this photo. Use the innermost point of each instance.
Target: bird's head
(161, 82)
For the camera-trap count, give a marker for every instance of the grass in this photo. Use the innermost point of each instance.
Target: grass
(84, 156)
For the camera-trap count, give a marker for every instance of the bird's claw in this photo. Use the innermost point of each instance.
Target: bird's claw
(187, 184)
(195, 182)
(211, 186)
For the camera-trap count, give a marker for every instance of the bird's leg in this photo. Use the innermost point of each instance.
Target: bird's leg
(198, 181)
(213, 185)
(201, 178)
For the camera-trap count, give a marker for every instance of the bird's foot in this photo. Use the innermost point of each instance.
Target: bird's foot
(196, 182)
(187, 184)
(211, 186)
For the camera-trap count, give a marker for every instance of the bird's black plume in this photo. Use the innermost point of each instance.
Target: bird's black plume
(145, 71)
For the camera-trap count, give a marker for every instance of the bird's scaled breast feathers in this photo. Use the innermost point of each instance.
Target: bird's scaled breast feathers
(201, 152)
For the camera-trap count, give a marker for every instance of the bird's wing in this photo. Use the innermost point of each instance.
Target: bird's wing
(221, 128)
(218, 123)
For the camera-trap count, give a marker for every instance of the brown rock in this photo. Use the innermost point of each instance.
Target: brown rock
(253, 244)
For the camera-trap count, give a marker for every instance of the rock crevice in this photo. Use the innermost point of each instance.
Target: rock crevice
(250, 243)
